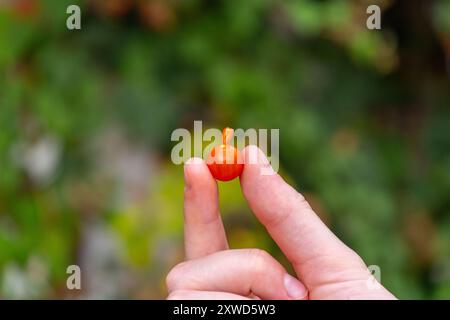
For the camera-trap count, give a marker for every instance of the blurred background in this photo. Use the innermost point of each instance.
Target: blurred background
(86, 117)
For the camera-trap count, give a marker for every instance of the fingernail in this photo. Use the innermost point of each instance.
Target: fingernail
(189, 162)
(294, 288)
(194, 161)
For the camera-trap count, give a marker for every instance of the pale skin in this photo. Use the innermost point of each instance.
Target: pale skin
(325, 268)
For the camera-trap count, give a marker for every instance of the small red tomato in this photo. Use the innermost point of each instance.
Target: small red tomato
(225, 161)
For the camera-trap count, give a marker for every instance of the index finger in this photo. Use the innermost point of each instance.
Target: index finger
(291, 222)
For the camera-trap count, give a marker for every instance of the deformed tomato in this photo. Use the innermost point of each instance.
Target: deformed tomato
(225, 162)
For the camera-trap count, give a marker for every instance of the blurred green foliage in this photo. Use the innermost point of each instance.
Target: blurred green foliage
(86, 117)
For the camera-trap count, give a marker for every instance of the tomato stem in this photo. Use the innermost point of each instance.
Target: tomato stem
(227, 135)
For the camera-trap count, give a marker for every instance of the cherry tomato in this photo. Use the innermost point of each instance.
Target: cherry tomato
(225, 161)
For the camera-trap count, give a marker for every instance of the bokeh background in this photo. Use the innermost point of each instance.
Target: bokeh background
(86, 117)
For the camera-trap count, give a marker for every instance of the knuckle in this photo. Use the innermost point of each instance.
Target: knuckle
(259, 259)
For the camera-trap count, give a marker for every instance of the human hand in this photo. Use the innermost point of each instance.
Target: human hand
(326, 268)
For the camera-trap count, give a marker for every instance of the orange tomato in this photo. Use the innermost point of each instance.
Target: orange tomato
(225, 162)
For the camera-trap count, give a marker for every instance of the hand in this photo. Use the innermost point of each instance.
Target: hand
(325, 267)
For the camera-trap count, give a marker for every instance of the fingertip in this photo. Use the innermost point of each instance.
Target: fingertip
(294, 288)
(258, 177)
(194, 160)
(196, 172)
(254, 156)
(200, 192)
(250, 155)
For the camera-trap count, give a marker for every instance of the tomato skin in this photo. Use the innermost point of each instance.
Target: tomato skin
(225, 162)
